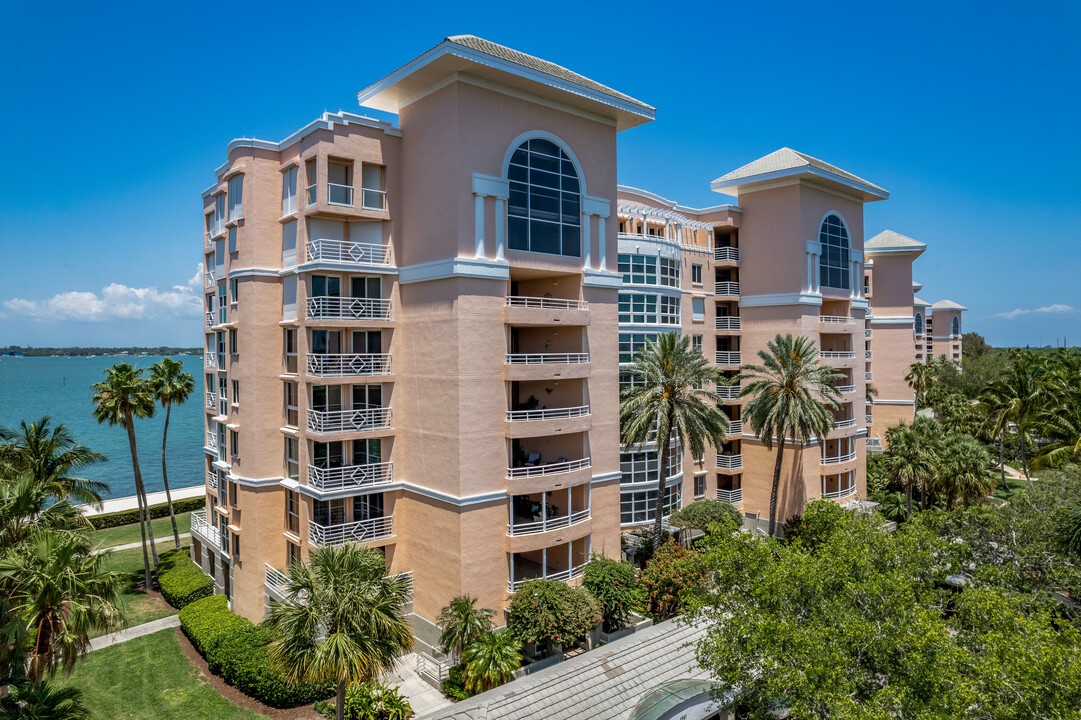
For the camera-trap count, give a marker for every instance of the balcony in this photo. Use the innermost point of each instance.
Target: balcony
(546, 358)
(322, 421)
(209, 279)
(345, 365)
(350, 477)
(735, 427)
(210, 319)
(839, 424)
(729, 462)
(729, 357)
(546, 311)
(547, 414)
(348, 308)
(845, 389)
(212, 481)
(211, 400)
(533, 527)
(561, 466)
(868, 354)
(728, 392)
(357, 532)
(211, 441)
(339, 194)
(726, 288)
(867, 333)
(205, 532)
(277, 582)
(836, 459)
(726, 254)
(870, 419)
(352, 253)
(211, 359)
(838, 354)
(562, 562)
(869, 376)
(837, 320)
(730, 496)
(208, 240)
(728, 323)
(839, 488)
(874, 444)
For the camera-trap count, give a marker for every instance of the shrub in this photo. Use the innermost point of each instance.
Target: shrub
(702, 514)
(671, 571)
(206, 622)
(815, 526)
(454, 685)
(182, 581)
(130, 517)
(613, 584)
(549, 612)
(374, 701)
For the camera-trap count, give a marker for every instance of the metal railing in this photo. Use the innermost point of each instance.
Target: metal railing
(729, 357)
(726, 254)
(837, 319)
(543, 302)
(728, 322)
(729, 462)
(868, 354)
(438, 670)
(276, 580)
(350, 476)
(869, 376)
(730, 496)
(838, 354)
(726, 288)
(549, 469)
(339, 251)
(552, 523)
(867, 333)
(360, 531)
(210, 319)
(846, 389)
(348, 420)
(212, 480)
(341, 365)
(576, 571)
(208, 240)
(843, 492)
(546, 358)
(211, 400)
(211, 440)
(547, 414)
(211, 359)
(209, 279)
(339, 194)
(728, 392)
(874, 444)
(870, 419)
(834, 460)
(735, 427)
(838, 424)
(349, 308)
(206, 532)
(372, 199)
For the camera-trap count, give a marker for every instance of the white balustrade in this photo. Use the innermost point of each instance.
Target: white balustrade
(206, 532)
(729, 462)
(552, 523)
(728, 322)
(547, 414)
(208, 241)
(846, 389)
(210, 319)
(729, 357)
(360, 531)
(276, 581)
(834, 460)
(211, 358)
(730, 496)
(868, 333)
(851, 422)
(356, 253)
(837, 320)
(211, 440)
(564, 575)
(340, 194)
(546, 358)
(735, 427)
(870, 419)
(838, 354)
(728, 392)
(348, 420)
(869, 355)
(726, 254)
(209, 278)
(350, 476)
(211, 400)
(543, 302)
(843, 492)
(869, 376)
(726, 288)
(354, 364)
(349, 308)
(548, 469)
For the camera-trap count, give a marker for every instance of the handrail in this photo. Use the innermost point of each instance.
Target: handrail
(564, 575)
(869, 355)
(726, 254)
(851, 422)
(360, 531)
(869, 376)
(350, 476)
(339, 194)
(211, 400)
(353, 364)
(728, 322)
(348, 420)
(826, 460)
(730, 496)
(729, 462)
(552, 523)
(546, 358)
(549, 469)
(843, 492)
(339, 251)
(832, 354)
(544, 302)
(276, 580)
(846, 389)
(729, 357)
(209, 279)
(349, 307)
(726, 288)
(728, 392)
(837, 319)
(211, 440)
(205, 530)
(547, 414)
(735, 427)
(211, 358)
(210, 319)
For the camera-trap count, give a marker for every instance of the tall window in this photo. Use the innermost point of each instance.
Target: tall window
(289, 191)
(236, 197)
(919, 324)
(955, 326)
(834, 269)
(545, 206)
(696, 274)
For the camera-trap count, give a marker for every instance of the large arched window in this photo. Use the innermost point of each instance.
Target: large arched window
(919, 324)
(834, 270)
(544, 212)
(955, 326)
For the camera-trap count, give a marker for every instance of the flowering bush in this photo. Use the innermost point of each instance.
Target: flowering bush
(613, 584)
(549, 612)
(672, 570)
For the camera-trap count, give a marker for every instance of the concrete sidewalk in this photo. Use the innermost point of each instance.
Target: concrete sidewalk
(131, 503)
(423, 698)
(133, 632)
(139, 543)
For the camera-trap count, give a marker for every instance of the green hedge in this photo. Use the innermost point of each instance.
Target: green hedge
(182, 582)
(129, 517)
(235, 649)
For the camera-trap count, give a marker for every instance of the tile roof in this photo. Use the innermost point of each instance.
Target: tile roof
(947, 305)
(789, 159)
(920, 303)
(604, 684)
(892, 240)
(534, 63)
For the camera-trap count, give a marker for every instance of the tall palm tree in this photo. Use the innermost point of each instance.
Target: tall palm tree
(50, 453)
(462, 623)
(995, 423)
(1059, 420)
(672, 398)
(961, 470)
(920, 378)
(342, 619)
(42, 701)
(793, 398)
(170, 384)
(25, 511)
(929, 434)
(61, 594)
(121, 398)
(1021, 392)
(908, 461)
(491, 660)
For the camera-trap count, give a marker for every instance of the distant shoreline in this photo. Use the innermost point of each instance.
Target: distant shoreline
(16, 351)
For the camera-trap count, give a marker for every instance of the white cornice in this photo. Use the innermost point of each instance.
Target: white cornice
(892, 320)
(481, 268)
(777, 299)
(602, 279)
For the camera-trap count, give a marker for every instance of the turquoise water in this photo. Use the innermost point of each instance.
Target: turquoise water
(60, 387)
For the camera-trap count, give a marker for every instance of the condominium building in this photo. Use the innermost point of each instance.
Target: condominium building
(415, 332)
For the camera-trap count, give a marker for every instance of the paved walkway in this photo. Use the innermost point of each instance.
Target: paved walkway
(133, 632)
(422, 697)
(139, 543)
(154, 498)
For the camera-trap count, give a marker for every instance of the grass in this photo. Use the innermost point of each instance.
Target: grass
(124, 534)
(138, 607)
(1014, 484)
(149, 677)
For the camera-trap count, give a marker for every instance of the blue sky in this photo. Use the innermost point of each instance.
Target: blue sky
(115, 117)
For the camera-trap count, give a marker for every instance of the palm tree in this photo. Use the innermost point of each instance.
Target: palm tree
(908, 461)
(920, 378)
(793, 398)
(41, 701)
(672, 398)
(929, 435)
(462, 623)
(121, 398)
(342, 620)
(50, 454)
(491, 660)
(1068, 527)
(961, 470)
(1059, 420)
(25, 511)
(60, 594)
(170, 384)
(1020, 392)
(995, 414)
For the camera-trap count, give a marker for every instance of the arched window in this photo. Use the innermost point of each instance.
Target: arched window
(834, 270)
(919, 324)
(544, 212)
(955, 326)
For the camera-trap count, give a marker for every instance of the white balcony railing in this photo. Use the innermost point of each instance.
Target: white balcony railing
(838, 354)
(340, 194)
(211, 359)
(728, 322)
(350, 476)
(867, 333)
(206, 532)
(729, 462)
(735, 427)
(210, 319)
(726, 254)
(543, 302)
(547, 414)
(843, 389)
(209, 278)
(548, 469)
(869, 355)
(360, 531)
(834, 460)
(349, 308)
(843, 492)
(728, 392)
(869, 376)
(211, 400)
(726, 288)
(870, 419)
(729, 357)
(211, 440)
(838, 424)
(874, 444)
(212, 480)
(730, 496)
(276, 581)
(342, 365)
(546, 358)
(348, 420)
(552, 523)
(372, 199)
(356, 253)
(576, 571)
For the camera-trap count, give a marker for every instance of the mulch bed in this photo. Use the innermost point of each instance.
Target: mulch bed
(305, 712)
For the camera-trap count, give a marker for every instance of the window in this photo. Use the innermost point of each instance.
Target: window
(699, 485)
(955, 326)
(834, 269)
(291, 404)
(236, 392)
(637, 507)
(638, 269)
(221, 350)
(233, 493)
(329, 512)
(289, 191)
(698, 309)
(371, 184)
(236, 197)
(236, 546)
(340, 184)
(292, 512)
(366, 452)
(223, 309)
(310, 178)
(292, 455)
(919, 324)
(232, 341)
(545, 206)
(643, 309)
(696, 274)
(631, 343)
(641, 467)
(221, 442)
(326, 286)
(234, 443)
(219, 214)
(233, 282)
(223, 396)
(292, 553)
(290, 350)
(669, 271)
(367, 507)
(232, 239)
(669, 310)
(696, 341)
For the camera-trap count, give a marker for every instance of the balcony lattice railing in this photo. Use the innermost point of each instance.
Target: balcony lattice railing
(728, 392)
(211, 400)
(838, 354)
(870, 419)
(735, 427)
(276, 580)
(209, 279)
(869, 376)
(354, 253)
(206, 532)
(548, 303)
(730, 496)
(210, 319)
(353, 364)
(348, 420)
(548, 469)
(836, 459)
(552, 523)
(349, 308)
(574, 572)
(868, 333)
(350, 476)
(546, 358)
(726, 254)
(360, 531)
(846, 389)
(547, 414)
(729, 462)
(208, 240)
(839, 424)
(211, 440)
(729, 357)
(837, 320)
(728, 322)
(726, 288)
(211, 359)
(839, 493)
(869, 355)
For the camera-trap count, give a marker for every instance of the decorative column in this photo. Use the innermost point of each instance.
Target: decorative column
(500, 226)
(479, 229)
(602, 244)
(587, 241)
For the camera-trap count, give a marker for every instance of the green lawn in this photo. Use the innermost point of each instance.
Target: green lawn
(138, 607)
(1013, 484)
(149, 677)
(124, 534)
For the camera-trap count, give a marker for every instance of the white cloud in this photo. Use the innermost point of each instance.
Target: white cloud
(1056, 308)
(116, 301)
